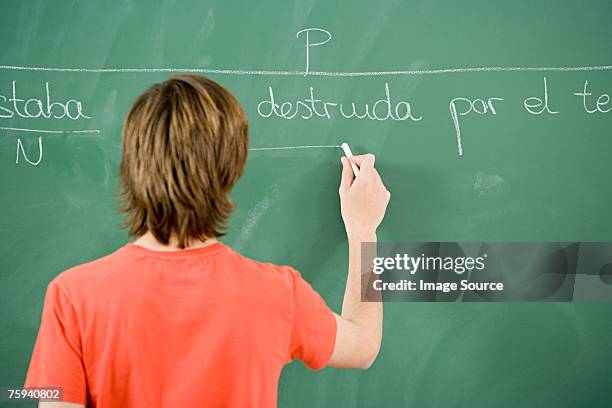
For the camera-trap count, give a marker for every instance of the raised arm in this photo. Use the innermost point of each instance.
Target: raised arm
(359, 327)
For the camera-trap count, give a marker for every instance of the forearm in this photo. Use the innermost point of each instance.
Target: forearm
(367, 316)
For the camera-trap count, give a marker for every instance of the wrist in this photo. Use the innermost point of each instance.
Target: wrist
(358, 237)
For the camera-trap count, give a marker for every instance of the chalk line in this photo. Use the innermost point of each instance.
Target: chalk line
(309, 73)
(295, 147)
(98, 131)
(49, 131)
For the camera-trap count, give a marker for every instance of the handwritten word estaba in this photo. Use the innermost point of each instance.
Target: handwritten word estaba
(44, 107)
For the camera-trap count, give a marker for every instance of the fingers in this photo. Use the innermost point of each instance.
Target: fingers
(367, 171)
(347, 175)
(368, 174)
(372, 177)
(364, 160)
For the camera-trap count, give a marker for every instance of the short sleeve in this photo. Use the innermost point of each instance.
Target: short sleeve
(57, 358)
(313, 334)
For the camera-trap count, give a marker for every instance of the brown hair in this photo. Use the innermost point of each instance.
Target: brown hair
(185, 143)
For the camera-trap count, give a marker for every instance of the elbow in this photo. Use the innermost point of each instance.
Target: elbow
(357, 345)
(365, 366)
(370, 350)
(368, 359)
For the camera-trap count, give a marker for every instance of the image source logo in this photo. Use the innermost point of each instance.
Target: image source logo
(453, 271)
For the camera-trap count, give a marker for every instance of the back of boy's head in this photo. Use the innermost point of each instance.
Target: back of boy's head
(185, 143)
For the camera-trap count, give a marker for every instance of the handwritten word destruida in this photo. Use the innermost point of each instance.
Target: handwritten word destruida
(311, 106)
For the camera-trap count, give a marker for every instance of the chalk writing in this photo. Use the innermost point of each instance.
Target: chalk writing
(602, 101)
(533, 103)
(23, 153)
(311, 106)
(478, 106)
(16, 106)
(308, 44)
(35, 108)
(389, 107)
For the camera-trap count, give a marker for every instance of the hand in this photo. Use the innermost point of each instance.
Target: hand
(363, 199)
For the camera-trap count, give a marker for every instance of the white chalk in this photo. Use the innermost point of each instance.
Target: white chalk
(349, 154)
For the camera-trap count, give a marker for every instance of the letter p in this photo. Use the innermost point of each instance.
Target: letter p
(309, 43)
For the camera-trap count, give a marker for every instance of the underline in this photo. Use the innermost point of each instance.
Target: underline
(98, 131)
(309, 73)
(49, 131)
(295, 147)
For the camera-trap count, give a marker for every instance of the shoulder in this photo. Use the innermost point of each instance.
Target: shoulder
(80, 278)
(280, 271)
(282, 275)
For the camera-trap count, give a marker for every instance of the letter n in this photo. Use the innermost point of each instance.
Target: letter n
(23, 153)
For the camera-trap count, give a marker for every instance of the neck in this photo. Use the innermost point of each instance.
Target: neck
(150, 242)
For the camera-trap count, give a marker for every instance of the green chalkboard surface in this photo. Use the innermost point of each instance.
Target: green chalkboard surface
(493, 126)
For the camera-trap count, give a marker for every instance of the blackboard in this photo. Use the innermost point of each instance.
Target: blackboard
(533, 167)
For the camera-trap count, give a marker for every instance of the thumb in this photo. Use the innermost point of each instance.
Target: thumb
(347, 175)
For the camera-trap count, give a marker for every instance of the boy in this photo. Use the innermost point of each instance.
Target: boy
(176, 318)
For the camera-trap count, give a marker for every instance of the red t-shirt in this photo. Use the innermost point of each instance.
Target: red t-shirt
(193, 328)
